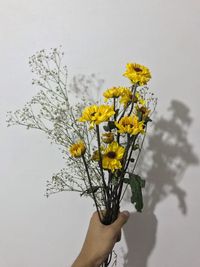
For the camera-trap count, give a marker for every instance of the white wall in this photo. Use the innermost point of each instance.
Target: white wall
(100, 37)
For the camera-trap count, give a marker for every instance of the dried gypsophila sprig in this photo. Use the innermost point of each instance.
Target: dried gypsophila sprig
(50, 112)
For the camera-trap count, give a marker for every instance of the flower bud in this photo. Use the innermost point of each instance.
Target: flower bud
(107, 137)
(95, 156)
(78, 149)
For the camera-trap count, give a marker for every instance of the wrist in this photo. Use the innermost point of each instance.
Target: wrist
(84, 261)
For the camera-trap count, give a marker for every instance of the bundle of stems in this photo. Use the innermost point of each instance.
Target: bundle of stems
(112, 192)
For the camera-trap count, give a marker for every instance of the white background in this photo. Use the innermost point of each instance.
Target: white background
(101, 37)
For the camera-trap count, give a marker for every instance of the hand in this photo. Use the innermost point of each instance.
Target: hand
(100, 240)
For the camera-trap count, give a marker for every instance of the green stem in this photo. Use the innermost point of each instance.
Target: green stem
(134, 87)
(120, 184)
(114, 102)
(90, 182)
(131, 152)
(101, 167)
(122, 115)
(138, 156)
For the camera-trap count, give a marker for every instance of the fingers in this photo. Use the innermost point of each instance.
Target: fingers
(121, 220)
(117, 225)
(101, 213)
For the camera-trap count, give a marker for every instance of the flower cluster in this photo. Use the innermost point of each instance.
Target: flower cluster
(119, 126)
(131, 122)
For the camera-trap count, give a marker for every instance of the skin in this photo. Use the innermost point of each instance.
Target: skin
(100, 240)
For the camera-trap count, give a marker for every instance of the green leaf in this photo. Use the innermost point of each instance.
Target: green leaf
(136, 184)
(111, 125)
(139, 114)
(148, 120)
(106, 128)
(90, 190)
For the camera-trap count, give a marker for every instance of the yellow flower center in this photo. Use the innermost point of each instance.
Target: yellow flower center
(137, 69)
(93, 114)
(127, 122)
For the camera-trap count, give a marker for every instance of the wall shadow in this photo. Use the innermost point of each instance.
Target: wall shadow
(167, 156)
(86, 87)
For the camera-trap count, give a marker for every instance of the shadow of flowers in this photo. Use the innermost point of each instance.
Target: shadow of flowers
(167, 156)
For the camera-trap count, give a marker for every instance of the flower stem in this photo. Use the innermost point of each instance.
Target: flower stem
(90, 182)
(136, 161)
(101, 167)
(134, 87)
(132, 147)
(114, 103)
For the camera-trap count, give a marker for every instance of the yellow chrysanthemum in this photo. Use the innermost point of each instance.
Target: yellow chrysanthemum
(112, 157)
(78, 149)
(113, 92)
(127, 97)
(130, 125)
(137, 73)
(97, 114)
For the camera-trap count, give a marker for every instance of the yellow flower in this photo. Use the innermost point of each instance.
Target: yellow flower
(107, 137)
(130, 125)
(112, 157)
(78, 149)
(127, 97)
(96, 114)
(113, 92)
(137, 73)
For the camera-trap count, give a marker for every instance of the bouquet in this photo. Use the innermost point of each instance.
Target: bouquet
(101, 141)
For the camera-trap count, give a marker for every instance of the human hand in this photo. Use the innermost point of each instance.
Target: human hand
(100, 240)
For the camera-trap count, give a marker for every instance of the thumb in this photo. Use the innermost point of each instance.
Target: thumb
(121, 220)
